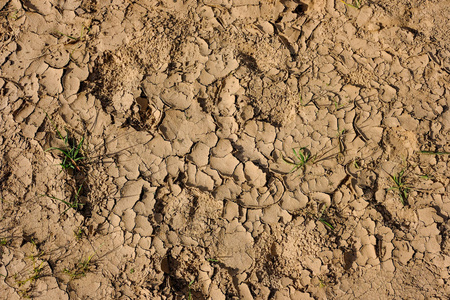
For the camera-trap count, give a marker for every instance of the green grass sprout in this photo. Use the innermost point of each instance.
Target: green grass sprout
(303, 156)
(75, 204)
(71, 154)
(326, 223)
(81, 268)
(84, 31)
(79, 233)
(36, 272)
(189, 289)
(400, 186)
(323, 220)
(435, 152)
(355, 3)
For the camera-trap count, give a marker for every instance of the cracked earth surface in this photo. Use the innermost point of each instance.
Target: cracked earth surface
(189, 187)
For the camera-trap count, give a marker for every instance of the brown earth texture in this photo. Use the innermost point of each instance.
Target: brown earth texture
(224, 149)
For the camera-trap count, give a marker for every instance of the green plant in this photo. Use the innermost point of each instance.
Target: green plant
(322, 283)
(75, 41)
(3, 241)
(81, 268)
(323, 219)
(26, 285)
(189, 289)
(340, 132)
(427, 176)
(36, 272)
(400, 186)
(355, 3)
(338, 105)
(75, 204)
(326, 223)
(79, 233)
(303, 157)
(84, 31)
(71, 154)
(14, 15)
(435, 152)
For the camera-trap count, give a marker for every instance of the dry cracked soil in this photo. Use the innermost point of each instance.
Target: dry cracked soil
(224, 149)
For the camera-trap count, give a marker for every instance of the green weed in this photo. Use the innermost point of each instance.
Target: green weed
(435, 152)
(322, 283)
(79, 233)
(355, 3)
(189, 289)
(14, 16)
(71, 154)
(36, 272)
(75, 39)
(400, 186)
(338, 105)
(427, 177)
(322, 219)
(326, 223)
(26, 285)
(81, 268)
(303, 156)
(84, 32)
(75, 204)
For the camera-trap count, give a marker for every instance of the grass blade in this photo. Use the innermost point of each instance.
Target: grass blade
(324, 222)
(435, 153)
